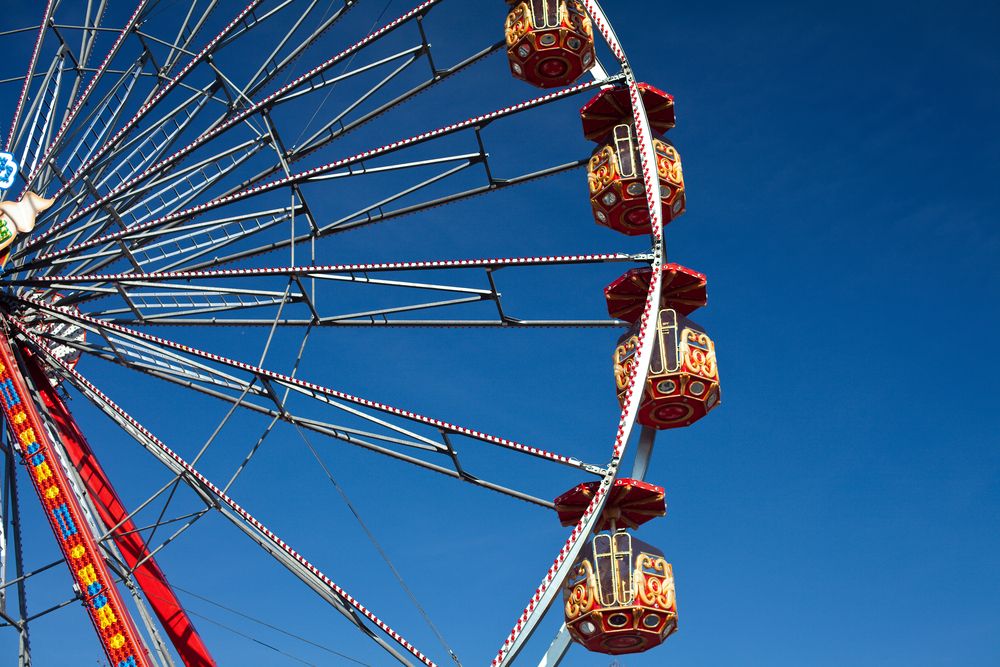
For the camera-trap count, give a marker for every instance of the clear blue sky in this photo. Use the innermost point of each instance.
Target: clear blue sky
(840, 508)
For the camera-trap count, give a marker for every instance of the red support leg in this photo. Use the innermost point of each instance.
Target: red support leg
(106, 609)
(159, 594)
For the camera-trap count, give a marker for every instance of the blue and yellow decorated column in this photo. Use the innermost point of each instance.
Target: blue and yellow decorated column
(112, 621)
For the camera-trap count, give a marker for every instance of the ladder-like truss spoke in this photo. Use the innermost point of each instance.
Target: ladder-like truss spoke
(41, 116)
(177, 297)
(81, 100)
(100, 122)
(314, 174)
(130, 157)
(161, 92)
(164, 195)
(244, 375)
(236, 119)
(32, 64)
(213, 495)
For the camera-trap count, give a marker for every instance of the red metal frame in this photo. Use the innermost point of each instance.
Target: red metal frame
(106, 609)
(113, 515)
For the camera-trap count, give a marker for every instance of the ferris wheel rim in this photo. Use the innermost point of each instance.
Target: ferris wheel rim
(627, 418)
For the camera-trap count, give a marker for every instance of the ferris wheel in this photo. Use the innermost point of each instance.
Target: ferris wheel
(228, 226)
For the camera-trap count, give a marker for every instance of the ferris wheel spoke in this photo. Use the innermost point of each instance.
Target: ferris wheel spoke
(318, 174)
(188, 31)
(118, 166)
(194, 180)
(162, 89)
(150, 360)
(180, 297)
(271, 66)
(100, 121)
(232, 390)
(362, 617)
(32, 64)
(41, 115)
(169, 249)
(340, 125)
(373, 213)
(237, 118)
(81, 100)
(242, 375)
(107, 150)
(169, 194)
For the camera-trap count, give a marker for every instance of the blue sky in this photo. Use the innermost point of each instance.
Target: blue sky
(839, 508)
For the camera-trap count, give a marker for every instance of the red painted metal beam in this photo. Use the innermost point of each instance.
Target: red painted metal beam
(161, 597)
(105, 607)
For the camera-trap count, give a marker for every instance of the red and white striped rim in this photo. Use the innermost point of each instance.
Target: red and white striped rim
(557, 572)
(537, 605)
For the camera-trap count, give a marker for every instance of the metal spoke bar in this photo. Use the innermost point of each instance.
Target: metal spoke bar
(371, 214)
(328, 134)
(376, 213)
(244, 151)
(149, 359)
(237, 118)
(328, 269)
(409, 54)
(205, 298)
(309, 388)
(312, 174)
(81, 101)
(32, 63)
(285, 554)
(157, 97)
(355, 437)
(41, 114)
(263, 76)
(143, 144)
(195, 179)
(104, 117)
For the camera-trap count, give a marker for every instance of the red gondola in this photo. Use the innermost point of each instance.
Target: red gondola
(617, 191)
(550, 43)
(683, 381)
(619, 597)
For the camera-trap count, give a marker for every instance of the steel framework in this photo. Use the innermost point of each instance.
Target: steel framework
(189, 195)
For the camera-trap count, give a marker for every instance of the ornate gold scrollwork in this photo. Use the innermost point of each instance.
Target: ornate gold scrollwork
(575, 16)
(668, 164)
(624, 361)
(602, 169)
(654, 590)
(698, 353)
(581, 598)
(518, 23)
